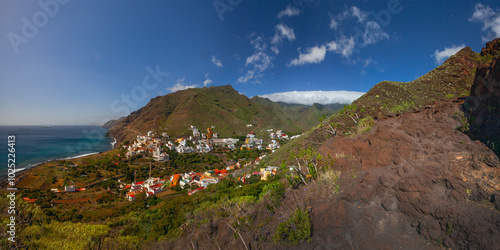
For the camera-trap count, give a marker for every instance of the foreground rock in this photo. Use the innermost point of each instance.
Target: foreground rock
(414, 176)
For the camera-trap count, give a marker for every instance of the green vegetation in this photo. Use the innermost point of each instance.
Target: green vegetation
(464, 122)
(295, 229)
(66, 235)
(405, 106)
(276, 192)
(180, 163)
(485, 58)
(247, 154)
(365, 124)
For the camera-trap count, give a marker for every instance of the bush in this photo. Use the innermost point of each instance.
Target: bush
(276, 191)
(365, 124)
(296, 229)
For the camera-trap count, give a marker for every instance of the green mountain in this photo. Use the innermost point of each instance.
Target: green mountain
(222, 107)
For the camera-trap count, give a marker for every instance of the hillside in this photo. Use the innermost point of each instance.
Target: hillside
(399, 162)
(222, 107)
(453, 79)
(414, 168)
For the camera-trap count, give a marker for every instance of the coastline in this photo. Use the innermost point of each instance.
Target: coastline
(24, 169)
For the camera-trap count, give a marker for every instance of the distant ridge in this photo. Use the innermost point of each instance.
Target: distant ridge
(220, 106)
(112, 123)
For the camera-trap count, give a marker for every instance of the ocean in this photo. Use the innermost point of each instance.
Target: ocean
(37, 144)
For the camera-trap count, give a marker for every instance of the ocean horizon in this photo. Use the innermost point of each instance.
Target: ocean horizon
(38, 144)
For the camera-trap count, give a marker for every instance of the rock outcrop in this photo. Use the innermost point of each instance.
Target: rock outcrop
(484, 102)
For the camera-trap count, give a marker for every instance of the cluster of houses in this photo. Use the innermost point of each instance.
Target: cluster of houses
(279, 134)
(149, 143)
(203, 143)
(193, 181)
(252, 142)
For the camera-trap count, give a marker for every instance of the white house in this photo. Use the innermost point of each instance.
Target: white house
(208, 181)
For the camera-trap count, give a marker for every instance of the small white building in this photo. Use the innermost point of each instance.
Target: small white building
(69, 188)
(208, 181)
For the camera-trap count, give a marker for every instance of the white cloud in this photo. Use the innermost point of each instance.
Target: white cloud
(217, 62)
(368, 32)
(259, 62)
(275, 50)
(490, 19)
(311, 97)
(440, 56)
(368, 62)
(373, 33)
(314, 55)
(343, 46)
(181, 85)
(359, 14)
(207, 81)
(289, 11)
(283, 31)
(333, 23)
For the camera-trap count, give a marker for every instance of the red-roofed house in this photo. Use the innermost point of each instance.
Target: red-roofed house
(29, 200)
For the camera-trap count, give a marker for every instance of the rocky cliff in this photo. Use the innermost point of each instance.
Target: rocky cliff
(483, 105)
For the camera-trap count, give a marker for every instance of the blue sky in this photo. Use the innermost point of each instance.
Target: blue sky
(84, 62)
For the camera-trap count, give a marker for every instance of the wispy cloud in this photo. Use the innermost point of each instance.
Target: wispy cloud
(313, 55)
(343, 46)
(217, 62)
(311, 97)
(258, 62)
(289, 11)
(282, 32)
(440, 56)
(182, 85)
(333, 23)
(368, 32)
(373, 33)
(490, 19)
(368, 62)
(359, 14)
(207, 80)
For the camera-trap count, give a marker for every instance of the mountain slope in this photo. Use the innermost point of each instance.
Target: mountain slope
(450, 80)
(222, 107)
(412, 172)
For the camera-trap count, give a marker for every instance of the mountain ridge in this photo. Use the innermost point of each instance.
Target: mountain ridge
(220, 106)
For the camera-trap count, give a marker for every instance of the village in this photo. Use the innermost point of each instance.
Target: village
(156, 145)
(200, 143)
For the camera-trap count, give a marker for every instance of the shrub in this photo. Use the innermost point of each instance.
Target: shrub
(296, 229)
(276, 191)
(365, 124)
(449, 96)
